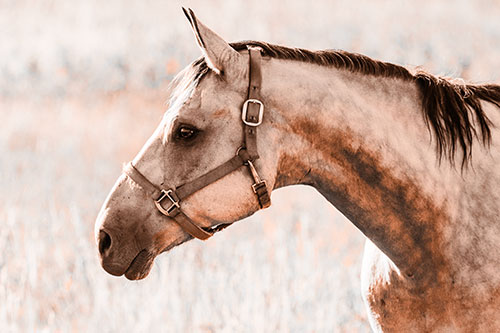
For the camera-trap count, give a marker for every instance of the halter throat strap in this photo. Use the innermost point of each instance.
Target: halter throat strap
(168, 201)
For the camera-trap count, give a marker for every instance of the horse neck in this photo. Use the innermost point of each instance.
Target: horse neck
(362, 142)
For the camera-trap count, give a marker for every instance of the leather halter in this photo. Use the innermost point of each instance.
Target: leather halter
(252, 116)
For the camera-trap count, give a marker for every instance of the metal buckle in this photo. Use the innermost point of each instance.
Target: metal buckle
(245, 109)
(258, 185)
(166, 194)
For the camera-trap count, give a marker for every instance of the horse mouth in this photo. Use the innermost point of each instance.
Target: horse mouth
(140, 267)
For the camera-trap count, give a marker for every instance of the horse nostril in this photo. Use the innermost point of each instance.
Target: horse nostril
(104, 242)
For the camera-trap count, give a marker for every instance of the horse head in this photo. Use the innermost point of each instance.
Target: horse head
(201, 130)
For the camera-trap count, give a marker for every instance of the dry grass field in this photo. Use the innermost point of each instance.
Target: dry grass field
(83, 85)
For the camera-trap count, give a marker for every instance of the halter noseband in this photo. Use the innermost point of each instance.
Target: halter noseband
(251, 115)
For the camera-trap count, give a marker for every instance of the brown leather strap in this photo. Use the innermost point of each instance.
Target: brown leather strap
(252, 116)
(188, 225)
(142, 181)
(210, 177)
(253, 109)
(262, 194)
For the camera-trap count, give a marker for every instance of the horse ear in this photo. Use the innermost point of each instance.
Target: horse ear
(219, 55)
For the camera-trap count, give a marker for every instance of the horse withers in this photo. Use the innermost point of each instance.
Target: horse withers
(411, 159)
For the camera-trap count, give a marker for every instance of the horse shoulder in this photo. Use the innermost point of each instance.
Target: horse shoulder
(396, 303)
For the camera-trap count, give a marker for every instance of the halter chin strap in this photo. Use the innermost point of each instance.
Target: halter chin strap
(168, 201)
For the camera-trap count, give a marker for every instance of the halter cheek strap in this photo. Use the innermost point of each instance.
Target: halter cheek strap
(168, 201)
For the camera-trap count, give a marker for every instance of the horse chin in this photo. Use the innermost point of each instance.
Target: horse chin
(141, 265)
(143, 262)
(184, 238)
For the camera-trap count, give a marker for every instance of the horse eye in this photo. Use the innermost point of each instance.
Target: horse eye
(186, 133)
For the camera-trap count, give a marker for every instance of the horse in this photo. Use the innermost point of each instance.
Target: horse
(411, 159)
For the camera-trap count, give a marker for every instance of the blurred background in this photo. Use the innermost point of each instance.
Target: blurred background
(82, 86)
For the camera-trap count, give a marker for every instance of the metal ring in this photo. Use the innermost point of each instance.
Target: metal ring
(238, 153)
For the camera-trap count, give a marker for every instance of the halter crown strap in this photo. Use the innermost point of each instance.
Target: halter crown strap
(254, 107)
(252, 118)
(168, 201)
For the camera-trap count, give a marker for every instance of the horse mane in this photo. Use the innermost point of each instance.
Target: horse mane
(451, 108)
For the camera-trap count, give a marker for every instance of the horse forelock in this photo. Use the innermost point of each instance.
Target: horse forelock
(451, 109)
(186, 81)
